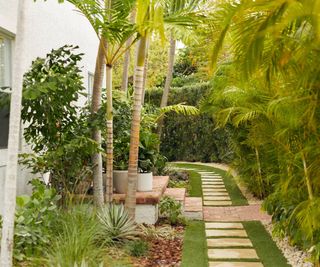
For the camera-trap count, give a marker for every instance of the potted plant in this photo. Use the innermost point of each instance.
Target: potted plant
(147, 158)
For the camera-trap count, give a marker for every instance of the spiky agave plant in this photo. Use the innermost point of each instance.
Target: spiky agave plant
(116, 223)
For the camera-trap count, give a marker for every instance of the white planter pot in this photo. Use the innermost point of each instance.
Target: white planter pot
(145, 182)
(120, 181)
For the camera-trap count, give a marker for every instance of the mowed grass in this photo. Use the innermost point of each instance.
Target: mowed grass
(267, 250)
(236, 196)
(194, 252)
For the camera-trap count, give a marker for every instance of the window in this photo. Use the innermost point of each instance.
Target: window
(90, 85)
(5, 86)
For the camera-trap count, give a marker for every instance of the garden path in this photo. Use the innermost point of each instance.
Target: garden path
(227, 240)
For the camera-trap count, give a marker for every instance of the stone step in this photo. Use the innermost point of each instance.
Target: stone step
(217, 203)
(229, 242)
(213, 182)
(216, 198)
(226, 233)
(178, 194)
(193, 208)
(212, 186)
(232, 253)
(223, 225)
(234, 264)
(214, 190)
(215, 194)
(211, 176)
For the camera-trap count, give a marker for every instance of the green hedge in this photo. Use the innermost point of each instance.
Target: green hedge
(192, 138)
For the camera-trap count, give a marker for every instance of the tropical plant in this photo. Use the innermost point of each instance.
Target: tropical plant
(171, 209)
(76, 239)
(10, 184)
(116, 224)
(273, 104)
(34, 219)
(57, 129)
(110, 20)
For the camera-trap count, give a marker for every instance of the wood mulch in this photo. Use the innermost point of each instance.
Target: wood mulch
(163, 252)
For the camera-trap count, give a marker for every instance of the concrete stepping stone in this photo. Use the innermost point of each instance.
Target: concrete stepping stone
(212, 186)
(211, 176)
(215, 194)
(234, 264)
(232, 253)
(204, 172)
(217, 203)
(226, 233)
(213, 182)
(216, 198)
(224, 225)
(214, 190)
(229, 242)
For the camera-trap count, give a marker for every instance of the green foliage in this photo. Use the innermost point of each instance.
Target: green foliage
(76, 240)
(34, 219)
(137, 248)
(188, 138)
(268, 95)
(116, 223)
(171, 210)
(56, 128)
(50, 88)
(178, 179)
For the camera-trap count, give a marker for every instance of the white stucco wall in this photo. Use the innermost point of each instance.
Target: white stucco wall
(48, 25)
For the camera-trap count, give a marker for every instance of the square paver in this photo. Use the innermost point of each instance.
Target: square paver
(217, 203)
(234, 264)
(213, 182)
(215, 193)
(212, 186)
(229, 242)
(216, 198)
(226, 233)
(232, 253)
(223, 225)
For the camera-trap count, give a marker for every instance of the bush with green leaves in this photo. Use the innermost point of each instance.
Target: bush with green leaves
(35, 219)
(116, 224)
(58, 130)
(171, 209)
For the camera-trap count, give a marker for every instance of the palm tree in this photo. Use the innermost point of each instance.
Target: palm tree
(110, 20)
(10, 186)
(150, 18)
(96, 133)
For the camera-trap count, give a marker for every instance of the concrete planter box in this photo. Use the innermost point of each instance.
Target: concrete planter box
(120, 181)
(144, 182)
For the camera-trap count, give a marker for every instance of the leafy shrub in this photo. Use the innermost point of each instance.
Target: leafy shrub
(137, 248)
(56, 128)
(34, 219)
(178, 179)
(116, 224)
(188, 139)
(171, 210)
(76, 239)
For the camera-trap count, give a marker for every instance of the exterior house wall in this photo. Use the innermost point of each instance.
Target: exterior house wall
(49, 25)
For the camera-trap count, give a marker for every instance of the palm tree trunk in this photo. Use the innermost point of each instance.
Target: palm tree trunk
(109, 176)
(10, 186)
(96, 133)
(126, 63)
(165, 95)
(307, 177)
(260, 183)
(135, 129)
(145, 72)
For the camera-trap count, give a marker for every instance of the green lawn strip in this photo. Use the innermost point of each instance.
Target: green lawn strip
(194, 252)
(236, 195)
(195, 189)
(267, 250)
